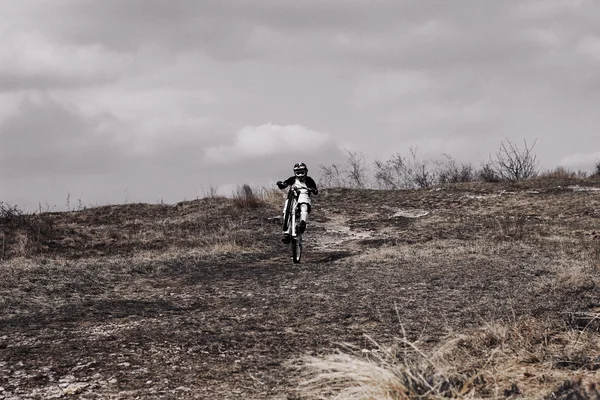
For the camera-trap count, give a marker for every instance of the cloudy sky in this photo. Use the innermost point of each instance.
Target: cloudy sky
(149, 100)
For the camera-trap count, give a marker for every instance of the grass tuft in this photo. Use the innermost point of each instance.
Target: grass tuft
(563, 173)
(379, 373)
(245, 197)
(523, 358)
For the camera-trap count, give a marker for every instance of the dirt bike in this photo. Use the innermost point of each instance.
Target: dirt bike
(291, 220)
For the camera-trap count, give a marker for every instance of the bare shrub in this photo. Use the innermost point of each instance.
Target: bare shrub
(10, 214)
(357, 170)
(400, 172)
(597, 171)
(488, 173)
(449, 171)
(332, 176)
(424, 177)
(393, 173)
(354, 173)
(513, 163)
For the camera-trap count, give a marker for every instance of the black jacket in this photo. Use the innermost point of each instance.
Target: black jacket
(310, 183)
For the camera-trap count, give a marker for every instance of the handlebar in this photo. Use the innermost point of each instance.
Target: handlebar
(295, 189)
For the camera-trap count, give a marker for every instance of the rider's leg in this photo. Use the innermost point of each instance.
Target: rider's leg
(303, 217)
(304, 212)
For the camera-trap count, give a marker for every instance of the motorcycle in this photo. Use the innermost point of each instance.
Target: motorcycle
(291, 222)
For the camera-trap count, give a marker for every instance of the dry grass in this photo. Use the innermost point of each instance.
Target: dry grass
(551, 236)
(213, 225)
(49, 254)
(563, 173)
(248, 197)
(22, 233)
(497, 287)
(273, 197)
(523, 358)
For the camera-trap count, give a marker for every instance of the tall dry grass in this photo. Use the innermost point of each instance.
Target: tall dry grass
(563, 173)
(523, 358)
(248, 197)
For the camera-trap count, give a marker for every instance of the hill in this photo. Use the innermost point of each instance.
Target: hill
(478, 290)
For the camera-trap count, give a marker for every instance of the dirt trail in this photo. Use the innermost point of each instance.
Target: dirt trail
(336, 233)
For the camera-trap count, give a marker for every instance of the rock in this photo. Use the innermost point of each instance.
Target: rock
(75, 388)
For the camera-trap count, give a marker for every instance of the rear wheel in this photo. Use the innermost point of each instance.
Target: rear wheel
(296, 249)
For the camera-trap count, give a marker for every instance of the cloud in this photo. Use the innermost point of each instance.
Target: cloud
(266, 140)
(543, 37)
(142, 89)
(31, 60)
(45, 138)
(590, 46)
(389, 86)
(386, 32)
(50, 147)
(306, 32)
(551, 8)
(581, 160)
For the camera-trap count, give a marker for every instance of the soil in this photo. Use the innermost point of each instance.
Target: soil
(87, 319)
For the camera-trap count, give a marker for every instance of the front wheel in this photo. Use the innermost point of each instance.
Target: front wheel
(296, 249)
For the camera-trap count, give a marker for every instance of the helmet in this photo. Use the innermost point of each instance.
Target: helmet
(300, 169)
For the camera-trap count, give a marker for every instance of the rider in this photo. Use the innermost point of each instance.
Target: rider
(306, 185)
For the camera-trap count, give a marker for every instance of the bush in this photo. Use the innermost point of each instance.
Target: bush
(513, 163)
(10, 214)
(332, 176)
(393, 173)
(357, 170)
(510, 163)
(354, 173)
(424, 177)
(449, 171)
(23, 234)
(401, 172)
(487, 173)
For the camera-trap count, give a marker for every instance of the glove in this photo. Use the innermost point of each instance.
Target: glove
(281, 185)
